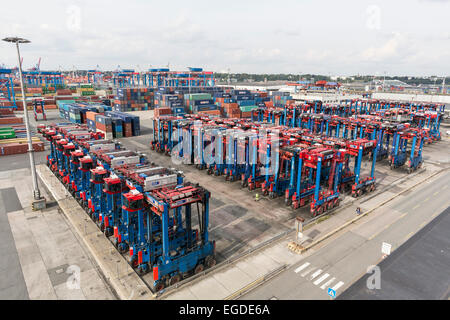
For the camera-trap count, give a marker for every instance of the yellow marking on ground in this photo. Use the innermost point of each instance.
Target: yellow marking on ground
(422, 224)
(403, 215)
(377, 233)
(426, 199)
(416, 206)
(373, 236)
(435, 193)
(434, 214)
(408, 236)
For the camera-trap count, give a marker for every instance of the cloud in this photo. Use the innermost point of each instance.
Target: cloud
(288, 33)
(393, 48)
(245, 37)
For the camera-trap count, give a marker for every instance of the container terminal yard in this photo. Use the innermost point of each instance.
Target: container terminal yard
(191, 184)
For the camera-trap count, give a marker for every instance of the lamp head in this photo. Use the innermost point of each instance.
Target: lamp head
(16, 40)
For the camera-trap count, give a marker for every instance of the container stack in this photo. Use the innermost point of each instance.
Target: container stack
(7, 133)
(113, 124)
(76, 111)
(103, 124)
(169, 102)
(231, 110)
(130, 123)
(246, 101)
(35, 90)
(10, 119)
(63, 94)
(18, 146)
(13, 140)
(134, 99)
(86, 90)
(280, 99)
(202, 103)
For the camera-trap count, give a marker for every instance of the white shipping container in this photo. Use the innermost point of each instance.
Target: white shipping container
(104, 147)
(158, 181)
(119, 161)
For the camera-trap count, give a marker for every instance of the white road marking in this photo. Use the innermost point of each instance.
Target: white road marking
(307, 271)
(303, 266)
(326, 284)
(338, 285)
(315, 274)
(323, 277)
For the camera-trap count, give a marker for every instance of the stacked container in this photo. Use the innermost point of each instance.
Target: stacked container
(280, 99)
(103, 124)
(129, 124)
(134, 99)
(86, 90)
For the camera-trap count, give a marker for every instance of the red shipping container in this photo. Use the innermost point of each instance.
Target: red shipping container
(17, 148)
(161, 111)
(10, 120)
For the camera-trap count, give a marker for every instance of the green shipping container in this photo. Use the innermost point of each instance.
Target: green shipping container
(199, 96)
(7, 134)
(247, 108)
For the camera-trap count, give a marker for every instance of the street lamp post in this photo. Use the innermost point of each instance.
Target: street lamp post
(39, 201)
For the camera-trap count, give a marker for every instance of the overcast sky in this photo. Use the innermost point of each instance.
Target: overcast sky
(399, 37)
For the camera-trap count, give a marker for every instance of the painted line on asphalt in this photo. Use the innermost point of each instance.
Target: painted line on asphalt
(323, 277)
(303, 266)
(409, 235)
(434, 194)
(256, 283)
(326, 284)
(416, 206)
(338, 285)
(426, 199)
(315, 274)
(380, 231)
(307, 271)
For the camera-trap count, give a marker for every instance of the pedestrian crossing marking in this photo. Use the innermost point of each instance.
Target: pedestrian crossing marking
(307, 271)
(303, 266)
(338, 285)
(317, 277)
(315, 274)
(326, 284)
(323, 277)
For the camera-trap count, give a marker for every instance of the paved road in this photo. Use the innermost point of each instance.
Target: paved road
(346, 256)
(428, 277)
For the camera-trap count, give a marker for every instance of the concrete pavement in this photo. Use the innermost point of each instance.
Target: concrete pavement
(41, 256)
(345, 257)
(117, 272)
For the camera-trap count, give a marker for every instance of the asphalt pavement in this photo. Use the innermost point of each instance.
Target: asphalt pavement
(347, 256)
(419, 269)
